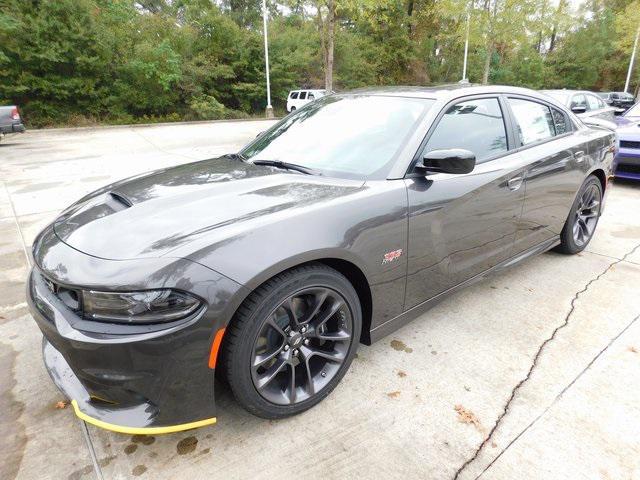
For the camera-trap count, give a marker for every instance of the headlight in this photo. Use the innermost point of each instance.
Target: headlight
(151, 306)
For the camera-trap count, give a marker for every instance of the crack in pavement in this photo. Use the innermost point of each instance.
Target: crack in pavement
(564, 390)
(534, 363)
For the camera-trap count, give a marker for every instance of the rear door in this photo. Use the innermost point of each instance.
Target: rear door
(555, 152)
(461, 225)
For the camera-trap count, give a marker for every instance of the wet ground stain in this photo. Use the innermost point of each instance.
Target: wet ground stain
(14, 439)
(143, 439)
(37, 187)
(138, 470)
(400, 346)
(186, 445)
(129, 449)
(88, 471)
(627, 232)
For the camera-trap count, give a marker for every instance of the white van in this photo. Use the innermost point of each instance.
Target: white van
(299, 98)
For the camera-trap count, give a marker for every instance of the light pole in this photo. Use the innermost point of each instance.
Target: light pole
(269, 109)
(633, 57)
(466, 51)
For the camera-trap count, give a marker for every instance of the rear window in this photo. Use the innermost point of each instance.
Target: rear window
(303, 95)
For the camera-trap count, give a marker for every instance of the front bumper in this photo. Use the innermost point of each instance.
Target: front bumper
(151, 381)
(627, 165)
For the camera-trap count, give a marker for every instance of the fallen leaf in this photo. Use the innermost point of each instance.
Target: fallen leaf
(633, 349)
(467, 416)
(395, 394)
(61, 405)
(401, 374)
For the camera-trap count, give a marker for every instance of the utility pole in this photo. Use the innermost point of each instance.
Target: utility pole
(466, 50)
(633, 57)
(269, 109)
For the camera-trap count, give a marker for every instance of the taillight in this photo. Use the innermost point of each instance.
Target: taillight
(15, 114)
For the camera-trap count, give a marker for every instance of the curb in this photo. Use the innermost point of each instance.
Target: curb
(144, 125)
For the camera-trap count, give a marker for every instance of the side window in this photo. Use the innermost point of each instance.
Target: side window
(303, 95)
(534, 120)
(560, 122)
(311, 96)
(579, 101)
(593, 102)
(294, 95)
(483, 126)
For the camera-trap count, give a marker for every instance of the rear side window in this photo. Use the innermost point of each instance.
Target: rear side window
(303, 95)
(474, 125)
(294, 95)
(560, 122)
(534, 120)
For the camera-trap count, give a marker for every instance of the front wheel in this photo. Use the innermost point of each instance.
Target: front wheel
(292, 341)
(583, 218)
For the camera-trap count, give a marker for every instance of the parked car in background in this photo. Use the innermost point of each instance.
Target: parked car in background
(621, 101)
(627, 161)
(299, 98)
(146, 288)
(10, 121)
(588, 106)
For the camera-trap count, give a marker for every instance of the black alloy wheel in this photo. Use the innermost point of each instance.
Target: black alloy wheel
(586, 215)
(301, 346)
(292, 340)
(583, 217)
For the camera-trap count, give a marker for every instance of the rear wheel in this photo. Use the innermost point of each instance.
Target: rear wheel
(292, 341)
(583, 217)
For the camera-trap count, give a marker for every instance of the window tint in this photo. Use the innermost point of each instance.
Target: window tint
(294, 95)
(475, 125)
(534, 120)
(303, 95)
(594, 103)
(560, 122)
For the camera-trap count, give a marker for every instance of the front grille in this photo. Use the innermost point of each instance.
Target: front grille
(629, 144)
(626, 168)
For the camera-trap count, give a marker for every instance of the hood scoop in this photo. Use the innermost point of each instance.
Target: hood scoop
(118, 201)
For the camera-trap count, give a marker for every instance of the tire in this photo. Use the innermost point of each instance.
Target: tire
(299, 329)
(583, 218)
(293, 109)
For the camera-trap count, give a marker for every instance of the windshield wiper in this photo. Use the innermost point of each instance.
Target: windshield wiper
(287, 165)
(234, 156)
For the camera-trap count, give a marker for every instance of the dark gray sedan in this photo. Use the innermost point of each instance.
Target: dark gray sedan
(268, 267)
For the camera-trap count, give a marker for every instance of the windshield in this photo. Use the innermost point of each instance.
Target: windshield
(633, 111)
(357, 136)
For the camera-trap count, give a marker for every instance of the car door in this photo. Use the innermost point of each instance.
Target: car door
(462, 225)
(555, 153)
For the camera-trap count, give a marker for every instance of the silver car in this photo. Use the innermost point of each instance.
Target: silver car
(588, 106)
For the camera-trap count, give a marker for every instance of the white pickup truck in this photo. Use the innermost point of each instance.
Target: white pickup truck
(10, 121)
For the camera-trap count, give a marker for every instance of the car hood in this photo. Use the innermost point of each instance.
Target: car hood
(152, 214)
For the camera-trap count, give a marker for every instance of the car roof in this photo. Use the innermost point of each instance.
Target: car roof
(444, 92)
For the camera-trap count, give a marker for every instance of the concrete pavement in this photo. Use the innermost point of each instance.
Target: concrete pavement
(531, 374)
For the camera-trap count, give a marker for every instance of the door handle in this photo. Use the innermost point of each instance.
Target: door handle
(579, 156)
(515, 183)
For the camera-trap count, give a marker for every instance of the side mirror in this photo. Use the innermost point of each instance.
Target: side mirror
(455, 160)
(578, 109)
